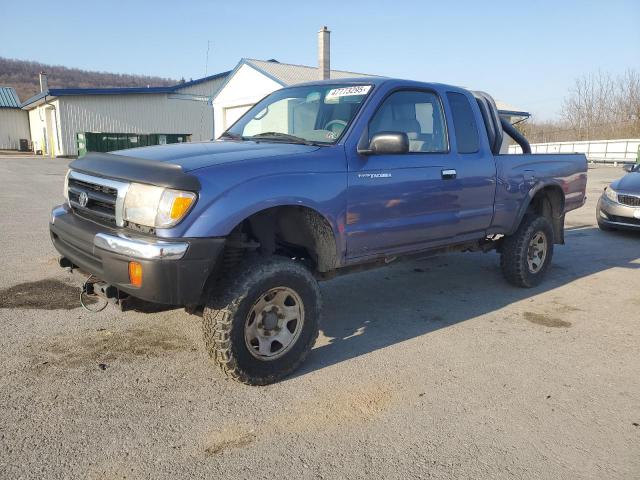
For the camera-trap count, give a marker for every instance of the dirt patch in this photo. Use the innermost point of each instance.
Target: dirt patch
(48, 294)
(564, 308)
(105, 346)
(545, 320)
(326, 411)
(356, 404)
(227, 439)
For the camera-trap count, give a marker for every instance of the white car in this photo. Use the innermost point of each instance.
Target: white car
(619, 205)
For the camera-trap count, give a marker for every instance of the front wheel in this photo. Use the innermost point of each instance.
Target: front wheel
(527, 253)
(260, 327)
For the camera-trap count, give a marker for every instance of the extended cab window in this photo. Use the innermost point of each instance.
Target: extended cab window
(464, 123)
(418, 114)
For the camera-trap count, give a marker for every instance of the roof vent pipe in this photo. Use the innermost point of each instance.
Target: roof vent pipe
(43, 82)
(324, 53)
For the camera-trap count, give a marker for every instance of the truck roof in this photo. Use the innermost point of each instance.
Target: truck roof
(381, 81)
(503, 107)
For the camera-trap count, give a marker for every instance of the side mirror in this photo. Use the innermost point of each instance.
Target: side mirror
(387, 143)
(631, 168)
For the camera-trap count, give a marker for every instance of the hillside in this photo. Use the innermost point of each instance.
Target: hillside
(23, 76)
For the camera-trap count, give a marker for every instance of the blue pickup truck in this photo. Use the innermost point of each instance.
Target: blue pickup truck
(315, 180)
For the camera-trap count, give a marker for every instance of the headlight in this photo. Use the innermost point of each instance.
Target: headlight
(611, 194)
(156, 206)
(66, 186)
(173, 206)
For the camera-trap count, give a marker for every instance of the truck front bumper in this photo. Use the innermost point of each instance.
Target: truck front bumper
(173, 272)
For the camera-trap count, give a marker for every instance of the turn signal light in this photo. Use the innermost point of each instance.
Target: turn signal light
(180, 207)
(135, 274)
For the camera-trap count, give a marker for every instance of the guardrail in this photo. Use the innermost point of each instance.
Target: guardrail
(597, 151)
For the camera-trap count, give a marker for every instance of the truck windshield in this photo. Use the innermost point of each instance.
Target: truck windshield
(316, 114)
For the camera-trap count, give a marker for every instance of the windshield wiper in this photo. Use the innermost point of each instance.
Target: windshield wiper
(281, 136)
(232, 136)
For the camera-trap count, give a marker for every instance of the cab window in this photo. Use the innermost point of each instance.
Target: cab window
(418, 114)
(464, 123)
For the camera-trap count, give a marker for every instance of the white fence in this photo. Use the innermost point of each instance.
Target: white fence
(600, 151)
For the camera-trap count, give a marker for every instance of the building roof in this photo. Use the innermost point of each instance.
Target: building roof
(9, 98)
(290, 74)
(202, 80)
(510, 110)
(60, 92)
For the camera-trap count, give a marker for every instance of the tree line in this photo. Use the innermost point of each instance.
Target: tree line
(23, 76)
(599, 106)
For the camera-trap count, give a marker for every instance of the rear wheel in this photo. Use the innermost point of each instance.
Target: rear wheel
(527, 253)
(261, 326)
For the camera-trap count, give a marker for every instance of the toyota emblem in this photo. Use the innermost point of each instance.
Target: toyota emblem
(83, 199)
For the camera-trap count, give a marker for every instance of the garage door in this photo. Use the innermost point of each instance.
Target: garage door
(231, 114)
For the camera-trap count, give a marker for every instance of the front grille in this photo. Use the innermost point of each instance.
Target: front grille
(103, 197)
(630, 200)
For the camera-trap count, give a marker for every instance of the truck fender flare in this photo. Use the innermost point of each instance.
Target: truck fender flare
(328, 231)
(557, 215)
(321, 233)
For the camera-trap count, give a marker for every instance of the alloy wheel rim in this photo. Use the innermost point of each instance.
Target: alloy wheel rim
(274, 323)
(537, 252)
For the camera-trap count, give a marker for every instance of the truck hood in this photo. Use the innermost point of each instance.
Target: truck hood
(192, 156)
(629, 183)
(171, 166)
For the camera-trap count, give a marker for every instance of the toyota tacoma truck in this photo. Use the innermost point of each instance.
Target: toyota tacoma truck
(314, 181)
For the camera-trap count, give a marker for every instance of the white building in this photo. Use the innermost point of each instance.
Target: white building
(14, 122)
(57, 115)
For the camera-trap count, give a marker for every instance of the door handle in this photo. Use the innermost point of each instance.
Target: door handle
(449, 173)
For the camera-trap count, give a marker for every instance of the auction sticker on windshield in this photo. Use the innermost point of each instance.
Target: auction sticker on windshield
(348, 91)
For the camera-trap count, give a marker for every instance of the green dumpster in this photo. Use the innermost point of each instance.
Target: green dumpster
(81, 144)
(108, 142)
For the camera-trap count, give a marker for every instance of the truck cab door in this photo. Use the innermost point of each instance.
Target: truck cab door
(429, 196)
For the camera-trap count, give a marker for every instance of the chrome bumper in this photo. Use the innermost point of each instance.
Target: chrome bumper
(129, 246)
(174, 272)
(140, 248)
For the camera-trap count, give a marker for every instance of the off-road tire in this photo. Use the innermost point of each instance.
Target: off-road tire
(514, 256)
(227, 308)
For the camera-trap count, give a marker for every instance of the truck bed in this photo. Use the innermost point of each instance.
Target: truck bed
(521, 175)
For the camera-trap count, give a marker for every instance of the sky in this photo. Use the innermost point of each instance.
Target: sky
(527, 54)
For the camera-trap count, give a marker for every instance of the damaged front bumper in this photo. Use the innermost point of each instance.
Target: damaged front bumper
(173, 272)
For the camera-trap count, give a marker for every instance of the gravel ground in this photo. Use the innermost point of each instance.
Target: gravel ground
(424, 369)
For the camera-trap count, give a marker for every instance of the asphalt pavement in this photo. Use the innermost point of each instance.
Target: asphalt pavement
(424, 369)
